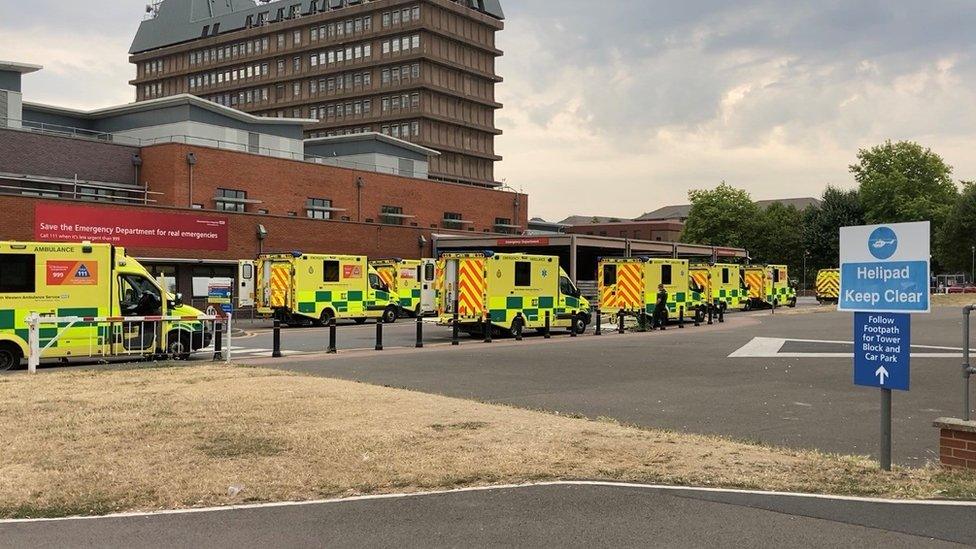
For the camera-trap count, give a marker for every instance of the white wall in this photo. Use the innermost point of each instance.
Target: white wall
(14, 108)
(208, 135)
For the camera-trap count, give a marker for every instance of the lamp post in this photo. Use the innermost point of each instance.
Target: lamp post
(805, 254)
(972, 274)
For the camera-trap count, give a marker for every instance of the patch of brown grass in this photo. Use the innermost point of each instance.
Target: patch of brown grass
(953, 300)
(179, 437)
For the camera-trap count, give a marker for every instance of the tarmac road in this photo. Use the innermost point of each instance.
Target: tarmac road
(560, 515)
(684, 380)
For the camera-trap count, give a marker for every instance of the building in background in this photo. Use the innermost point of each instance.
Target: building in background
(190, 186)
(418, 70)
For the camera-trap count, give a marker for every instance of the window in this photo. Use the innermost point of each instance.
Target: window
(330, 271)
(504, 225)
(609, 275)
(318, 208)
(523, 273)
(429, 272)
(566, 287)
(452, 220)
(666, 275)
(296, 88)
(775, 275)
(17, 274)
(296, 64)
(415, 41)
(386, 20)
(281, 66)
(416, 13)
(725, 275)
(231, 200)
(296, 38)
(391, 215)
(281, 41)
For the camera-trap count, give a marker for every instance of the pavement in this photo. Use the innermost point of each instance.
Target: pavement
(800, 396)
(555, 515)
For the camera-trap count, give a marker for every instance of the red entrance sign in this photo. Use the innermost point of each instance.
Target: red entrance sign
(129, 227)
(522, 242)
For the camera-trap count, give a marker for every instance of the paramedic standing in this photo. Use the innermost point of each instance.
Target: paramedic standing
(661, 308)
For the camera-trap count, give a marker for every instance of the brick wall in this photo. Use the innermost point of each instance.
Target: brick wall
(666, 231)
(41, 154)
(284, 234)
(283, 186)
(957, 443)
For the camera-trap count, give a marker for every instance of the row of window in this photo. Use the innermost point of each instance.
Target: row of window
(343, 82)
(401, 131)
(233, 75)
(393, 76)
(341, 28)
(244, 97)
(341, 131)
(401, 17)
(401, 44)
(398, 102)
(339, 55)
(150, 91)
(231, 51)
(340, 110)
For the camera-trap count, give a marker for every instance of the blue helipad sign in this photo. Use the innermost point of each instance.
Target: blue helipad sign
(885, 268)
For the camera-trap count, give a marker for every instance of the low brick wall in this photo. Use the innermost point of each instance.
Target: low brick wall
(957, 443)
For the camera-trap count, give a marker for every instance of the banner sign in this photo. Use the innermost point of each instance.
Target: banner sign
(522, 242)
(129, 227)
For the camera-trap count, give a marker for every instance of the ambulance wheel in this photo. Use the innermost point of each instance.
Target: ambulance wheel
(792, 303)
(748, 305)
(10, 356)
(517, 327)
(360, 320)
(389, 315)
(325, 317)
(580, 324)
(700, 315)
(179, 346)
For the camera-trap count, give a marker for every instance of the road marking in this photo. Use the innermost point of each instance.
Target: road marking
(608, 484)
(769, 347)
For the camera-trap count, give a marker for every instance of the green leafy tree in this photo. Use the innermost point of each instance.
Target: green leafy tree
(723, 216)
(904, 182)
(777, 238)
(956, 237)
(821, 227)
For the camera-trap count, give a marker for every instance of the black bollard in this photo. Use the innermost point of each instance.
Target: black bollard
(774, 308)
(697, 317)
(420, 332)
(664, 321)
(721, 314)
(276, 352)
(454, 329)
(332, 337)
(488, 328)
(379, 334)
(681, 317)
(521, 323)
(218, 340)
(710, 311)
(546, 334)
(620, 322)
(572, 325)
(598, 330)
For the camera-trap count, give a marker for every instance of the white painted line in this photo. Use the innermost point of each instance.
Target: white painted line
(608, 484)
(769, 347)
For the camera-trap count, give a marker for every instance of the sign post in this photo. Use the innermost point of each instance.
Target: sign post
(884, 277)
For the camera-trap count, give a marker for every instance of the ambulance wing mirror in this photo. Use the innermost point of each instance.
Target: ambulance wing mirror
(177, 300)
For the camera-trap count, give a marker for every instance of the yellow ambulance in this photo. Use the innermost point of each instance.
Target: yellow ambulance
(513, 290)
(768, 286)
(828, 285)
(88, 280)
(630, 285)
(310, 289)
(412, 280)
(722, 283)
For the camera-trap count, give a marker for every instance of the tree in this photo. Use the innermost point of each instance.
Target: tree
(821, 226)
(723, 216)
(904, 182)
(956, 237)
(777, 238)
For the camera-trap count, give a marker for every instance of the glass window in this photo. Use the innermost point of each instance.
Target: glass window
(296, 37)
(386, 20)
(330, 271)
(17, 273)
(566, 287)
(235, 202)
(523, 273)
(429, 272)
(609, 275)
(666, 275)
(391, 215)
(317, 208)
(138, 296)
(725, 275)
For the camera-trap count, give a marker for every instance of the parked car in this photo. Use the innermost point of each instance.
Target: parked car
(964, 288)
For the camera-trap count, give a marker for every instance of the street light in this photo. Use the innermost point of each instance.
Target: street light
(972, 274)
(805, 254)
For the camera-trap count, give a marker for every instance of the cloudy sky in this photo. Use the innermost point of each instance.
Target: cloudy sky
(620, 107)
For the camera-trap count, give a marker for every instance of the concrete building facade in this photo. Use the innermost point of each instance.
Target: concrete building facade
(418, 70)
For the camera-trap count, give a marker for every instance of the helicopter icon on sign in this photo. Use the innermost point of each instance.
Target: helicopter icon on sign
(881, 243)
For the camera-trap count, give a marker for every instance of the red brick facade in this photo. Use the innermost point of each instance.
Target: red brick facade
(655, 231)
(957, 443)
(283, 186)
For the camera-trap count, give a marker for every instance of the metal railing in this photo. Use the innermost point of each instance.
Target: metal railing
(967, 368)
(126, 336)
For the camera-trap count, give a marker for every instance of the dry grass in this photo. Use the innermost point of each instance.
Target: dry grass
(92, 442)
(953, 300)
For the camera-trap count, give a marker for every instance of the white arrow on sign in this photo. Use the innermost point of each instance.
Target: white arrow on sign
(882, 374)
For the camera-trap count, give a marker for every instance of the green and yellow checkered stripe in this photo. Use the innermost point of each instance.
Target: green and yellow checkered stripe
(78, 339)
(677, 301)
(503, 310)
(349, 304)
